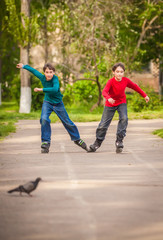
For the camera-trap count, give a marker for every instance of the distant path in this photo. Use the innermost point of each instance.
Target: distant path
(84, 196)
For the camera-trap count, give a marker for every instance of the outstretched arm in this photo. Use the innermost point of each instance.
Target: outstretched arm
(135, 87)
(32, 70)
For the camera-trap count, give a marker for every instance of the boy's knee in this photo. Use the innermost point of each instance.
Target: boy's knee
(43, 121)
(124, 119)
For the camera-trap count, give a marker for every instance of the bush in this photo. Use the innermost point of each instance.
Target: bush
(81, 91)
(138, 103)
(15, 88)
(37, 97)
(68, 95)
(11, 89)
(6, 92)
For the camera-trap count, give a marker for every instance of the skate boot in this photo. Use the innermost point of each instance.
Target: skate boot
(81, 144)
(119, 145)
(45, 147)
(95, 145)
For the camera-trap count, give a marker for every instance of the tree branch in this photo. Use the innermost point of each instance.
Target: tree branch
(144, 30)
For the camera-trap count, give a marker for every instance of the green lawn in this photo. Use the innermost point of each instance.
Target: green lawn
(9, 115)
(159, 132)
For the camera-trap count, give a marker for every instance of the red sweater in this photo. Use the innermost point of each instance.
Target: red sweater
(116, 90)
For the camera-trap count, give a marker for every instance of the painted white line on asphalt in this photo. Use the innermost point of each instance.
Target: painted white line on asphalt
(75, 192)
(150, 166)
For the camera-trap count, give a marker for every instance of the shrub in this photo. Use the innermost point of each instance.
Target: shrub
(37, 97)
(15, 88)
(68, 95)
(11, 89)
(81, 91)
(138, 103)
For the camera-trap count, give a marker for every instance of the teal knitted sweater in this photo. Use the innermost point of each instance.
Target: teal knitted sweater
(50, 88)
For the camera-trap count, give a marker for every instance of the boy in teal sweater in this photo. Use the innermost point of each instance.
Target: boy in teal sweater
(52, 102)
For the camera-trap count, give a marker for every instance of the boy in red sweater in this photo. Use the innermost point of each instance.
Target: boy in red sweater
(114, 93)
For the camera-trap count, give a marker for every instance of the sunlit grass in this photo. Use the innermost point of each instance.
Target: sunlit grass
(9, 114)
(6, 128)
(159, 132)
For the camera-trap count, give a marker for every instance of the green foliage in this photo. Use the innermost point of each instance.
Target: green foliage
(91, 34)
(6, 91)
(9, 115)
(9, 53)
(11, 87)
(81, 91)
(159, 132)
(23, 28)
(6, 128)
(13, 92)
(138, 36)
(15, 88)
(37, 97)
(68, 95)
(138, 103)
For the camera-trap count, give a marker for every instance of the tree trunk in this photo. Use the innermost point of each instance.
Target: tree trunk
(99, 90)
(99, 95)
(46, 39)
(25, 94)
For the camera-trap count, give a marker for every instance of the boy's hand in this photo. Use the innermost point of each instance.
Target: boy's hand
(146, 99)
(111, 100)
(19, 65)
(38, 89)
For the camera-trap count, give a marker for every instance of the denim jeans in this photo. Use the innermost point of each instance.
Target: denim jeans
(60, 110)
(106, 119)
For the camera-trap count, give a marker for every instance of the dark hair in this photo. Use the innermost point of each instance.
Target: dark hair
(48, 65)
(119, 64)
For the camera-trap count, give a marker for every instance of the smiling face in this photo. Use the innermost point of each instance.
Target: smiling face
(49, 74)
(118, 73)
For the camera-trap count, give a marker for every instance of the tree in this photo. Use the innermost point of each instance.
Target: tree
(2, 11)
(9, 54)
(107, 32)
(48, 12)
(139, 38)
(25, 96)
(24, 30)
(93, 36)
(41, 8)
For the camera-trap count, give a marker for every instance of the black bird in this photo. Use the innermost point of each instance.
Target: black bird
(27, 188)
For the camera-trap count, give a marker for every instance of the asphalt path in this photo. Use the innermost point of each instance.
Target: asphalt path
(83, 196)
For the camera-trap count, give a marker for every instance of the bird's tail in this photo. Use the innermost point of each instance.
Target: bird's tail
(14, 190)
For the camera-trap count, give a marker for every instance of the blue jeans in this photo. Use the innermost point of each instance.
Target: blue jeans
(107, 117)
(60, 110)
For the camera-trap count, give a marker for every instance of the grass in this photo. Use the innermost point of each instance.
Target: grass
(159, 132)
(6, 128)
(9, 115)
